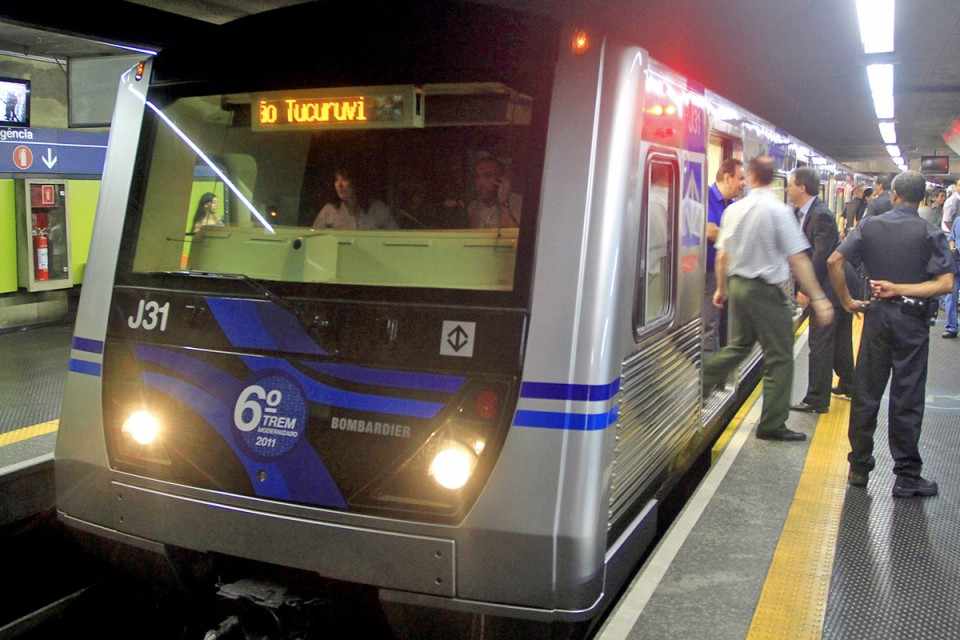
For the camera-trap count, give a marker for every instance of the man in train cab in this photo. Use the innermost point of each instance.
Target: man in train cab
(495, 206)
(820, 228)
(909, 264)
(881, 196)
(759, 244)
(728, 186)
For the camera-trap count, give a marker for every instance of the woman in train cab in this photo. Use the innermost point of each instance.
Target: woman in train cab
(206, 214)
(354, 209)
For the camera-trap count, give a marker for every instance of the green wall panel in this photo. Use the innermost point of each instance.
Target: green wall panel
(8, 238)
(82, 198)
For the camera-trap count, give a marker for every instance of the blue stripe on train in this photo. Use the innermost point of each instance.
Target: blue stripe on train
(324, 394)
(390, 378)
(560, 391)
(254, 324)
(83, 366)
(88, 345)
(570, 421)
(223, 384)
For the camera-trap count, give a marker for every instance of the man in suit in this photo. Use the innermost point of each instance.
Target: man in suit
(820, 227)
(853, 210)
(881, 200)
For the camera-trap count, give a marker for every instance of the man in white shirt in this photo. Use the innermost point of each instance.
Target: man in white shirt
(759, 243)
(950, 210)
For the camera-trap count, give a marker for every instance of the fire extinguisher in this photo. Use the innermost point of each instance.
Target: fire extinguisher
(42, 256)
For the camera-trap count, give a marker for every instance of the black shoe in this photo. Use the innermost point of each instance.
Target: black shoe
(906, 487)
(782, 434)
(949, 335)
(806, 408)
(842, 392)
(857, 478)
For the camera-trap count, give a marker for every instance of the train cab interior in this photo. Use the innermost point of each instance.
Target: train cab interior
(440, 175)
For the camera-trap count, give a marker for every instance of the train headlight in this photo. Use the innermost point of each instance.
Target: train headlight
(453, 465)
(142, 426)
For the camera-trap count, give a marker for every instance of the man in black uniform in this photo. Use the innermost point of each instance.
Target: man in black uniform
(909, 264)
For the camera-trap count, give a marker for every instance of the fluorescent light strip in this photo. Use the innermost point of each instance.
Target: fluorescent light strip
(880, 77)
(876, 25)
(888, 131)
(212, 165)
(893, 150)
(149, 52)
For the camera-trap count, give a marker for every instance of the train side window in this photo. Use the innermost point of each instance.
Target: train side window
(655, 276)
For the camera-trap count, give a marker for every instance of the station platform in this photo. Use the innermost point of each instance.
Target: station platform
(33, 369)
(775, 544)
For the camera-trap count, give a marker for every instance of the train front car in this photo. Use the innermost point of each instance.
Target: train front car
(317, 337)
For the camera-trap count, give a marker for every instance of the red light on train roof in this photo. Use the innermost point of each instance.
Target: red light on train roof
(138, 74)
(580, 42)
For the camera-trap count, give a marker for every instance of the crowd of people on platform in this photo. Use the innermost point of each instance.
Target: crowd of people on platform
(890, 257)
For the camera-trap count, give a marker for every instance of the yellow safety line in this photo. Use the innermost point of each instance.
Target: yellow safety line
(793, 601)
(25, 433)
(731, 429)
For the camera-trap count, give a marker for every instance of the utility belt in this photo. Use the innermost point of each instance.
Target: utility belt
(919, 307)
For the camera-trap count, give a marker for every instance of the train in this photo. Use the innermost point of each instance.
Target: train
(479, 418)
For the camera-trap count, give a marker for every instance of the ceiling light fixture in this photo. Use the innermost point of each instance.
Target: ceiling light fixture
(880, 77)
(876, 25)
(888, 131)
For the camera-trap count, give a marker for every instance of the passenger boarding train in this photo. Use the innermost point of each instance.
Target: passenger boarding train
(478, 419)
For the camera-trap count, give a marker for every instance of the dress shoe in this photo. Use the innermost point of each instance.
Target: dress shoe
(949, 335)
(807, 408)
(906, 487)
(782, 434)
(842, 392)
(857, 478)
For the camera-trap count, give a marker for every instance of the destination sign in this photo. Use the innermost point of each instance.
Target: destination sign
(350, 108)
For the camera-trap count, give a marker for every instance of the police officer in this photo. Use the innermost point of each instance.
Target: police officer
(909, 264)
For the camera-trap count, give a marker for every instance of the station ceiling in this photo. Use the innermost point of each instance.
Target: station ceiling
(797, 63)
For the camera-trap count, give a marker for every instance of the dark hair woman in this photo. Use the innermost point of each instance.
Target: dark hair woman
(354, 208)
(206, 213)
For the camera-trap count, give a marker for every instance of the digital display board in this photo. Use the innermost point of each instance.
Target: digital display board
(935, 164)
(14, 102)
(339, 108)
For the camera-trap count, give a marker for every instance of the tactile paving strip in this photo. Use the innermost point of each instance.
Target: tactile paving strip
(794, 594)
(896, 572)
(33, 368)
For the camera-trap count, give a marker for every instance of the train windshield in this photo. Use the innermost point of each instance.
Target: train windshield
(420, 186)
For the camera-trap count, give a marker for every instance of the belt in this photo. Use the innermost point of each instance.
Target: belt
(905, 300)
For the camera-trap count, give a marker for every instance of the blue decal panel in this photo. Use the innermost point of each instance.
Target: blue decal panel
(277, 428)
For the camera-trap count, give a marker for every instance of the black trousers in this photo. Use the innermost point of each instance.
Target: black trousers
(843, 348)
(820, 374)
(897, 342)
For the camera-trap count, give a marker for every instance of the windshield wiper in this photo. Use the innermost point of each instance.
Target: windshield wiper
(252, 283)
